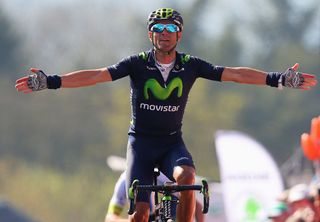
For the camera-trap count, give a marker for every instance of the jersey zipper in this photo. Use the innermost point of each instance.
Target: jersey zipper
(164, 83)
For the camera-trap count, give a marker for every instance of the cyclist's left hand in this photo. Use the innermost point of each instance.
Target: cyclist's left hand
(298, 80)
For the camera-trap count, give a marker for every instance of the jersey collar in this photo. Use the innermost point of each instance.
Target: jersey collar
(178, 65)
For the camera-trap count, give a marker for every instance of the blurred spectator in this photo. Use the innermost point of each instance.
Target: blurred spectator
(279, 212)
(283, 196)
(302, 215)
(316, 178)
(301, 204)
(315, 194)
(299, 196)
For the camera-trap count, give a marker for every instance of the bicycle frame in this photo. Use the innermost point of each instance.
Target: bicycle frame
(162, 210)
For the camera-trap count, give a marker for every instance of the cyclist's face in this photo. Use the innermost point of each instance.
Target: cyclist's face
(165, 40)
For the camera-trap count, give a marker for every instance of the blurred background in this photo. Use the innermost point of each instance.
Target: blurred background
(54, 144)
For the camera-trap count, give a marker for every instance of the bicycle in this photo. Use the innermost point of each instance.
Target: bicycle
(163, 207)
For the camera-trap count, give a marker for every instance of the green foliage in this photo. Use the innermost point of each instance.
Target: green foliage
(9, 45)
(50, 195)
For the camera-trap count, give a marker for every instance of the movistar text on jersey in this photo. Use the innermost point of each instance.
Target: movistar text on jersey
(159, 108)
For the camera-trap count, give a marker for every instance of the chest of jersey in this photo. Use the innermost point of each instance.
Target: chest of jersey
(149, 85)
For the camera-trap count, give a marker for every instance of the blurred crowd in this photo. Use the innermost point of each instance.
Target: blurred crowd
(299, 203)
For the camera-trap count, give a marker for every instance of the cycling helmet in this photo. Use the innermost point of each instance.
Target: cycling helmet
(165, 14)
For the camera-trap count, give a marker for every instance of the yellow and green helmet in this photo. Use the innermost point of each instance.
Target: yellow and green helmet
(165, 14)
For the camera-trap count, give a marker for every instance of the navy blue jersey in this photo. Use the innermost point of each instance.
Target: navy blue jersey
(157, 106)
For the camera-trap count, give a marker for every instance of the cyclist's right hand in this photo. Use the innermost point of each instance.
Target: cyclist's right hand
(34, 82)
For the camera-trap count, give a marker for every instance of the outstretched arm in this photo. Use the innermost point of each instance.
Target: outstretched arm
(85, 78)
(39, 80)
(244, 75)
(290, 78)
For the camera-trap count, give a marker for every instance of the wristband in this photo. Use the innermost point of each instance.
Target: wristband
(54, 82)
(274, 79)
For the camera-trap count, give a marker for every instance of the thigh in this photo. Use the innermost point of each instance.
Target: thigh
(140, 165)
(177, 155)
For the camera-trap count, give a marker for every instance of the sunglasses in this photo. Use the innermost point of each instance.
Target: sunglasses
(160, 27)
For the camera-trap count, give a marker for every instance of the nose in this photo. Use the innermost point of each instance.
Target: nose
(165, 32)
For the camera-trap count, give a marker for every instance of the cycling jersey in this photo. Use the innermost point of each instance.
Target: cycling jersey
(157, 106)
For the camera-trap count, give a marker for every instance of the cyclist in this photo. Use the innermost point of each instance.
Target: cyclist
(160, 81)
(119, 200)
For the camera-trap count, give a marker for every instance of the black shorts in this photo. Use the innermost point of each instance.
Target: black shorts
(146, 152)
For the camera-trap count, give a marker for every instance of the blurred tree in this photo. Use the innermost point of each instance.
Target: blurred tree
(9, 45)
(274, 122)
(276, 40)
(285, 29)
(192, 17)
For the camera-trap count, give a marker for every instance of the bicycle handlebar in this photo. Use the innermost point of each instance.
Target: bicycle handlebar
(168, 189)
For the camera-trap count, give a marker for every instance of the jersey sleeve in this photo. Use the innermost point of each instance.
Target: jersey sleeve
(207, 70)
(118, 199)
(121, 69)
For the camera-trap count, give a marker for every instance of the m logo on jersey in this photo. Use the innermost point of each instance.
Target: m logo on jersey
(160, 93)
